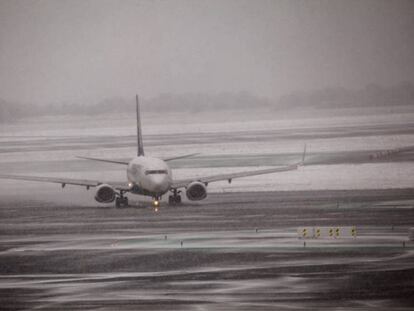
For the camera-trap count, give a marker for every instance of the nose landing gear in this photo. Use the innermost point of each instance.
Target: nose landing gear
(156, 203)
(175, 198)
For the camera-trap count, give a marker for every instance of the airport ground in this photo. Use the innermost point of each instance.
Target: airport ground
(234, 251)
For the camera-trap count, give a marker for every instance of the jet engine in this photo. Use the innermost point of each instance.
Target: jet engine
(196, 191)
(105, 194)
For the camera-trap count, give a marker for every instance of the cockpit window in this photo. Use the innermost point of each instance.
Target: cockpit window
(152, 172)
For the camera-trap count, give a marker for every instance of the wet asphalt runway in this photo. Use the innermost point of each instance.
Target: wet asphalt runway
(238, 252)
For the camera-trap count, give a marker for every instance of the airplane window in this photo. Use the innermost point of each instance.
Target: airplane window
(152, 172)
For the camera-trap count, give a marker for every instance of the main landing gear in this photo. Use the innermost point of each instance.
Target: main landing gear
(175, 198)
(121, 200)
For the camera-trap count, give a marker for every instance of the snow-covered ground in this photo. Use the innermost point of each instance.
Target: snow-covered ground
(36, 143)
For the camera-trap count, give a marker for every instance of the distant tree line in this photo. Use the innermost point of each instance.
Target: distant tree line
(190, 102)
(372, 96)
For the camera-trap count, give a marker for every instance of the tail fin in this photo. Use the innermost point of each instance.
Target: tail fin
(139, 132)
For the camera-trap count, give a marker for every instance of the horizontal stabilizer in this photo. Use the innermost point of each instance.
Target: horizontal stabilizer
(181, 157)
(104, 160)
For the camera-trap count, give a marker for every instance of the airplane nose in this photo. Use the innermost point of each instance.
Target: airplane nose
(159, 184)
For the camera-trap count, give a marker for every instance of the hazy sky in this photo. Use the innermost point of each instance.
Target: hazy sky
(85, 51)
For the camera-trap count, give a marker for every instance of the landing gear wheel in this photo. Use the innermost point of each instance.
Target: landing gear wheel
(121, 201)
(174, 199)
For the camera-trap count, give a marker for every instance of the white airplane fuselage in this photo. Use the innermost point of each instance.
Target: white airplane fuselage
(149, 176)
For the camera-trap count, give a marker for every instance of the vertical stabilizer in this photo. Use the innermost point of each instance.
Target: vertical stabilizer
(139, 132)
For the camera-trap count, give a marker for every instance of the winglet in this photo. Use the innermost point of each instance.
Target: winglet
(139, 131)
(303, 155)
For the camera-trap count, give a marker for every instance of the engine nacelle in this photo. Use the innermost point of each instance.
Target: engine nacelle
(105, 194)
(196, 191)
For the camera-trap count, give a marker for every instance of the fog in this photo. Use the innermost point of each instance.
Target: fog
(86, 52)
(320, 91)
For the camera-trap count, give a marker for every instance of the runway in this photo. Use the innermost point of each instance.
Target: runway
(233, 251)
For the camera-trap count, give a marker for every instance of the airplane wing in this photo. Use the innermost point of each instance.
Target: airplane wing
(371, 156)
(67, 181)
(207, 179)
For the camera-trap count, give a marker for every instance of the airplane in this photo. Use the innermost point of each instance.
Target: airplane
(150, 176)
